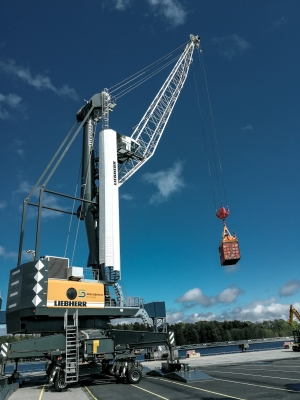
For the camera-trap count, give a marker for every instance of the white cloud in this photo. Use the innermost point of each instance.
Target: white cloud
(24, 188)
(256, 311)
(2, 204)
(247, 128)
(195, 296)
(231, 45)
(231, 268)
(126, 196)
(229, 295)
(49, 200)
(171, 10)
(280, 22)
(7, 254)
(11, 100)
(289, 288)
(173, 317)
(18, 147)
(167, 183)
(121, 5)
(40, 82)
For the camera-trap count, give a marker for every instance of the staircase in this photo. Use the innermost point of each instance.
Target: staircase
(119, 294)
(72, 349)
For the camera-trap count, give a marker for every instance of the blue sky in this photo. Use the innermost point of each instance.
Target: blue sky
(53, 55)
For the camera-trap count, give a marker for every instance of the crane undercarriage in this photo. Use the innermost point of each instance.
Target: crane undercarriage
(78, 353)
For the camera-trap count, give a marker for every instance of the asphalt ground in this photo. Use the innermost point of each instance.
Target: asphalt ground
(267, 375)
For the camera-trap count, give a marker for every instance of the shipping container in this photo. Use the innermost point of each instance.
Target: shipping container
(229, 252)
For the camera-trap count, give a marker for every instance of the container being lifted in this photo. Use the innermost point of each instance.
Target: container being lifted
(229, 248)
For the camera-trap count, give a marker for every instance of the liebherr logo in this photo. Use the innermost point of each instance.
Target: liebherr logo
(115, 172)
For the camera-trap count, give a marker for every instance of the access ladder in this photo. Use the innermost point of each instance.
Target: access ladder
(72, 349)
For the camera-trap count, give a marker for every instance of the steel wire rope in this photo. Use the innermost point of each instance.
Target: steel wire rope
(78, 223)
(214, 129)
(132, 80)
(130, 88)
(213, 147)
(140, 72)
(71, 217)
(204, 139)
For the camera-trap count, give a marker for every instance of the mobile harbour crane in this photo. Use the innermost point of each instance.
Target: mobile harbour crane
(52, 298)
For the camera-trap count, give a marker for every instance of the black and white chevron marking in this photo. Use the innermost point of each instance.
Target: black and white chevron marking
(171, 337)
(4, 349)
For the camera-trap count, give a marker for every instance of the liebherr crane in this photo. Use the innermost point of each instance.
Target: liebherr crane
(43, 291)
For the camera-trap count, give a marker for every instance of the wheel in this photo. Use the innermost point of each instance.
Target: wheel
(134, 375)
(60, 383)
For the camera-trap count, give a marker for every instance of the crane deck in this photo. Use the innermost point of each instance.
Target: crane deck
(273, 374)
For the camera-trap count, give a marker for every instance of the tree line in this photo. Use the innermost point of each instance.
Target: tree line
(205, 331)
(226, 331)
(215, 331)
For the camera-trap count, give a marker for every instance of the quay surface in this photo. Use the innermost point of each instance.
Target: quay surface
(271, 374)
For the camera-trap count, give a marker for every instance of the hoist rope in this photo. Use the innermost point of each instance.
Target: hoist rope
(140, 72)
(204, 139)
(146, 77)
(127, 90)
(214, 129)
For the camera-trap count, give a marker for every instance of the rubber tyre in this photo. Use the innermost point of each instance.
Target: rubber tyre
(60, 383)
(134, 375)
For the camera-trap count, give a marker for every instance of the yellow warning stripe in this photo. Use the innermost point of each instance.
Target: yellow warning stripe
(41, 394)
(95, 398)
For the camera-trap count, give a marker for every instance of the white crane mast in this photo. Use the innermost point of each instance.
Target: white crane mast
(149, 130)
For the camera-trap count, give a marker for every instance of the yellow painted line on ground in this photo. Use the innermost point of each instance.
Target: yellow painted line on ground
(148, 391)
(202, 390)
(41, 394)
(252, 384)
(95, 398)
